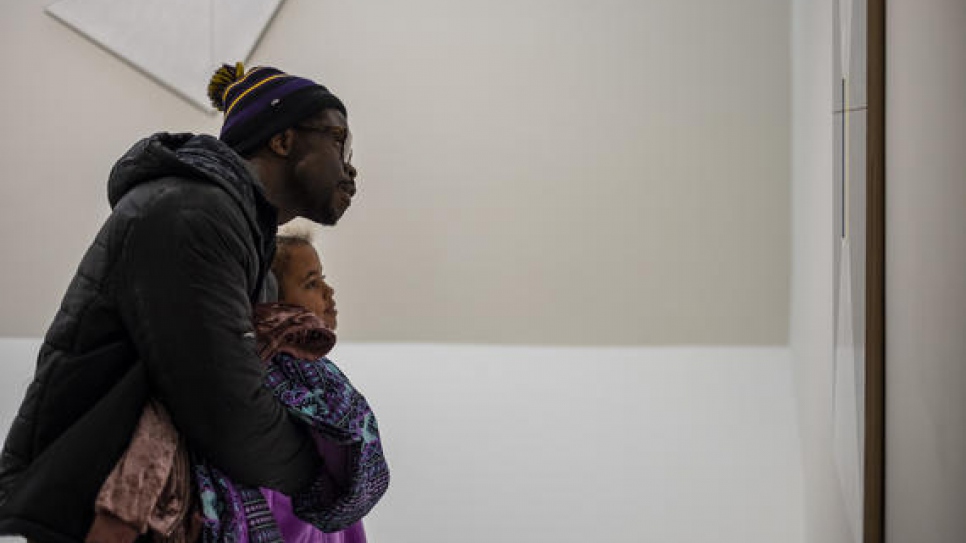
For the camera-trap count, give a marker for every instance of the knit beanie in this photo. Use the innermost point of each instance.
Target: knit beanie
(262, 102)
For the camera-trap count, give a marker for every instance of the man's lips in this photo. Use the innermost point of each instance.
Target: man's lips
(348, 187)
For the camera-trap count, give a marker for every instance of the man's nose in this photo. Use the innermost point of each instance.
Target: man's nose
(351, 171)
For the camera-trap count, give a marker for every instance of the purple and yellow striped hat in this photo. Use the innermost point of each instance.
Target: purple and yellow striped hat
(262, 102)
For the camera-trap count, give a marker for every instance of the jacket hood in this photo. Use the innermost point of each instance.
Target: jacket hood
(198, 157)
(179, 155)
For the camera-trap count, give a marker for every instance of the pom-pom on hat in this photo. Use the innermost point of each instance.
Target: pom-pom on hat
(262, 102)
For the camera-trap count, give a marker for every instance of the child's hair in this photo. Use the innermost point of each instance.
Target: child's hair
(298, 231)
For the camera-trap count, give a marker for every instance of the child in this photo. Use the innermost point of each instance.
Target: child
(151, 486)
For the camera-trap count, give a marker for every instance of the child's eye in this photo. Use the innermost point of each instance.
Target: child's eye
(313, 284)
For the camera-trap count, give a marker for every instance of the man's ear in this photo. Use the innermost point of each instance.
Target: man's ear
(281, 143)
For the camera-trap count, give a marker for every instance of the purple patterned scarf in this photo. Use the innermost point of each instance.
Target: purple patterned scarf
(293, 343)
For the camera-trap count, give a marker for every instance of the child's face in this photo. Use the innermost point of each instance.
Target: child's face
(303, 284)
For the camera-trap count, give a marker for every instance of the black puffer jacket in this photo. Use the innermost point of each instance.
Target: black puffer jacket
(160, 305)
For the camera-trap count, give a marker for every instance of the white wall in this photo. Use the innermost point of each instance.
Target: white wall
(569, 445)
(532, 171)
(811, 323)
(925, 271)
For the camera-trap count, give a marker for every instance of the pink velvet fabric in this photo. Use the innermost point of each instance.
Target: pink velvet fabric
(149, 487)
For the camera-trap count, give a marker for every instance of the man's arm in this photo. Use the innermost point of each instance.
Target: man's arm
(183, 293)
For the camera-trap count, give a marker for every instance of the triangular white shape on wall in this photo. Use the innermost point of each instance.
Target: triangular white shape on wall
(179, 43)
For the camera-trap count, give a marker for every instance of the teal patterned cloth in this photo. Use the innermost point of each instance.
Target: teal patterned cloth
(293, 343)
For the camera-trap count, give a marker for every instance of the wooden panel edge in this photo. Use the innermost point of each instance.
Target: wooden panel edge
(874, 473)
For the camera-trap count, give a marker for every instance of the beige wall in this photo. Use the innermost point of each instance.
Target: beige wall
(925, 271)
(565, 172)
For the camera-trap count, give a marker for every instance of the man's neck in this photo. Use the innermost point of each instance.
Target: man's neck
(269, 177)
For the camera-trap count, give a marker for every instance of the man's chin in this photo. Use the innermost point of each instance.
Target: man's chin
(336, 213)
(327, 218)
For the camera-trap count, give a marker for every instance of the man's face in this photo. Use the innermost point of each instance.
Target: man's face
(302, 283)
(320, 180)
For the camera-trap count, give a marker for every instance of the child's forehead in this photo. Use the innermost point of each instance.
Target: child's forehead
(304, 255)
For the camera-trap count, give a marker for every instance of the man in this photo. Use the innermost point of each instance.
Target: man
(161, 305)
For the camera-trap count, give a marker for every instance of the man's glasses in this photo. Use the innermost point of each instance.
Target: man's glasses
(340, 134)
